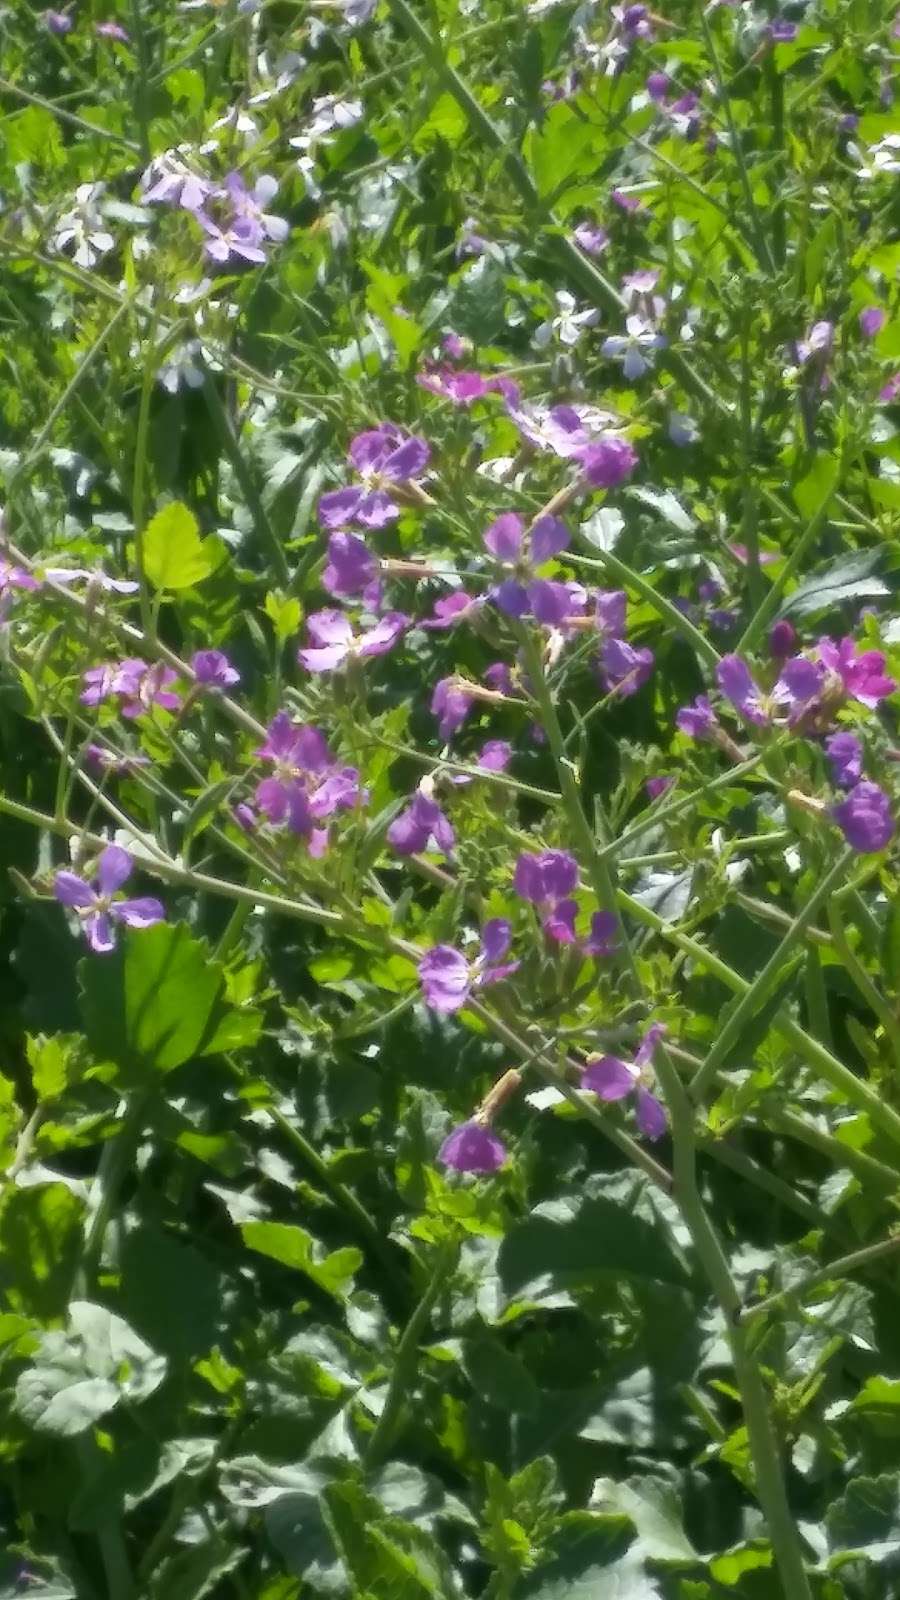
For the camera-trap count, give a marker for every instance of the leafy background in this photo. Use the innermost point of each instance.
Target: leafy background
(254, 1342)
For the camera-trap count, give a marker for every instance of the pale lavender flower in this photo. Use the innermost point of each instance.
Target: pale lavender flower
(634, 348)
(105, 760)
(865, 819)
(682, 430)
(95, 904)
(451, 609)
(418, 825)
(94, 577)
(82, 232)
(335, 644)
(781, 31)
(58, 22)
(142, 687)
(170, 180)
(612, 1079)
(111, 30)
(657, 85)
(461, 388)
(845, 757)
(472, 1147)
(182, 368)
(590, 238)
(385, 460)
(249, 206)
(448, 979)
(15, 577)
(213, 669)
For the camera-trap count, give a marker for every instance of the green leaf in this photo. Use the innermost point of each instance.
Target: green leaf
(815, 488)
(294, 1247)
(866, 1518)
(175, 557)
(190, 1574)
(40, 1244)
(55, 1062)
(566, 1243)
(78, 1376)
(587, 1564)
(499, 1377)
(564, 145)
(848, 578)
(156, 1001)
(284, 612)
(654, 1508)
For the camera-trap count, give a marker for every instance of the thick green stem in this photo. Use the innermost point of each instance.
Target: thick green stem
(765, 981)
(405, 1359)
(839, 1268)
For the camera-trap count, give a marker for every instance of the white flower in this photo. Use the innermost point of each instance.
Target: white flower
(568, 325)
(181, 368)
(629, 348)
(880, 158)
(81, 233)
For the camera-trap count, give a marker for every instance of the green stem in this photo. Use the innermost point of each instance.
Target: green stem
(764, 614)
(765, 981)
(138, 486)
(405, 1358)
(839, 1268)
(770, 1484)
(826, 1065)
(231, 445)
(870, 992)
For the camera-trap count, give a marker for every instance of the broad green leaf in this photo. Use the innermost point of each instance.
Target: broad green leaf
(157, 1000)
(865, 1519)
(653, 1506)
(77, 1376)
(566, 1243)
(294, 1247)
(850, 577)
(190, 1574)
(40, 1244)
(565, 144)
(587, 1563)
(499, 1377)
(175, 557)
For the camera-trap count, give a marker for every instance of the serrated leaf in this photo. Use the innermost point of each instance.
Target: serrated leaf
(175, 557)
(77, 1376)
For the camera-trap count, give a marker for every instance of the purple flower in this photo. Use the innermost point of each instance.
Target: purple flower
(13, 577)
(170, 181)
(781, 31)
(111, 30)
(495, 756)
(242, 224)
(213, 669)
(590, 238)
(95, 903)
(624, 667)
(611, 609)
(421, 822)
(871, 321)
(306, 784)
(97, 755)
(472, 1147)
(461, 388)
(335, 643)
(351, 565)
(451, 609)
(602, 940)
(734, 680)
(862, 675)
(451, 705)
(845, 756)
(782, 639)
(448, 979)
(143, 687)
(633, 348)
(890, 391)
(547, 880)
(57, 22)
(385, 460)
(657, 85)
(864, 818)
(817, 344)
(625, 202)
(612, 1079)
(498, 678)
(657, 786)
(506, 541)
(699, 720)
(607, 462)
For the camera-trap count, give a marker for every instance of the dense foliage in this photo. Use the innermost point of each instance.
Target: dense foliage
(450, 1087)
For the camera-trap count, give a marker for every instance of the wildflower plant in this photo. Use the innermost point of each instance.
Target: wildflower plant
(449, 1112)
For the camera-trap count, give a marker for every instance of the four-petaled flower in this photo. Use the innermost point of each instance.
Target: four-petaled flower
(418, 824)
(448, 979)
(507, 542)
(634, 347)
(568, 325)
(612, 1079)
(335, 644)
(95, 904)
(386, 461)
(306, 784)
(213, 669)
